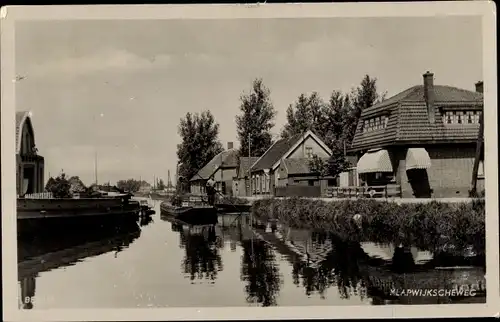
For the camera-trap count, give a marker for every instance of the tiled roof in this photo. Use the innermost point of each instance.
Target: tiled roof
(275, 152)
(228, 158)
(409, 122)
(245, 164)
(21, 118)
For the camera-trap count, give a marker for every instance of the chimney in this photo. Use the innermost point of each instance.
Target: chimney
(479, 87)
(429, 95)
(229, 145)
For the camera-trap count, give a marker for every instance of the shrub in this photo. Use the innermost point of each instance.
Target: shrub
(230, 200)
(430, 226)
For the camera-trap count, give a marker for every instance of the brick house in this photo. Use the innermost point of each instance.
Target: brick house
(423, 139)
(241, 182)
(222, 167)
(29, 165)
(265, 174)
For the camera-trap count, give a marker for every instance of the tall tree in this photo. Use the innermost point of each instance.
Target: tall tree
(256, 120)
(335, 116)
(307, 113)
(199, 134)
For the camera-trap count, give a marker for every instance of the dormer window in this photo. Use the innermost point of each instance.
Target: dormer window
(375, 123)
(461, 117)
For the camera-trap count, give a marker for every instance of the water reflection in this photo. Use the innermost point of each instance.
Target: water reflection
(145, 220)
(47, 254)
(260, 272)
(263, 264)
(202, 259)
(321, 261)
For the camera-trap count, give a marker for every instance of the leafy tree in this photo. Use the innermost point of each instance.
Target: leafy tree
(335, 117)
(307, 113)
(199, 134)
(256, 120)
(76, 184)
(337, 163)
(130, 185)
(59, 186)
(49, 184)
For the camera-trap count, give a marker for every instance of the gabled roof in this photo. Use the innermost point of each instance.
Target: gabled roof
(22, 118)
(409, 121)
(275, 152)
(226, 159)
(245, 164)
(283, 148)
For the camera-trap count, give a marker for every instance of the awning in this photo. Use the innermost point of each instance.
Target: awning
(375, 161)
(417, 158)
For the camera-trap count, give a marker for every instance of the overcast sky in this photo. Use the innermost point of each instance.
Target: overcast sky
(120, 87)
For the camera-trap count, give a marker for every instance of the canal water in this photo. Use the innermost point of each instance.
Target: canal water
(233, 263)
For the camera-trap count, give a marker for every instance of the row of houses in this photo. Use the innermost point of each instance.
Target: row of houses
(422, 140)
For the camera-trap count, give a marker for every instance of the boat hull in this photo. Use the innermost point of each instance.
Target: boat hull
(190, 215)
(58, 217)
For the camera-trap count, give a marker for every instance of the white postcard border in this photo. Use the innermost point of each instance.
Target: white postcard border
(9, 15)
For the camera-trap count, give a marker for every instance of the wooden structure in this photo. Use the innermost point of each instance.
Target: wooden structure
(423, 139)
(192, 209)
(385, 191)
(270, 170)
(29, 164)
(222, 167)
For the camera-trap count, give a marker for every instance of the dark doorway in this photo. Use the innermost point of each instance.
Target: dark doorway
(419, 182)
(29, 176)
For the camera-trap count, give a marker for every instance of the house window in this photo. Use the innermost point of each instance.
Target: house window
(375, 123)
(461, 117)
(449, 117)
(332, 182)
(310, 182)
(309, 152)
(469, 117)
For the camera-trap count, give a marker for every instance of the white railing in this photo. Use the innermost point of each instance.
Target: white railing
(39, 195)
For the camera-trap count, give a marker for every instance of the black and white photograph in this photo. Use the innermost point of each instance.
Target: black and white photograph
(273, 161)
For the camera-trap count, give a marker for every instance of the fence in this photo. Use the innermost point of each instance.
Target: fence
(387, 191)
(298, 191)
(39, 195)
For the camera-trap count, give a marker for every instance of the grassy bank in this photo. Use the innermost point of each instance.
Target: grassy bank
(432, 226)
